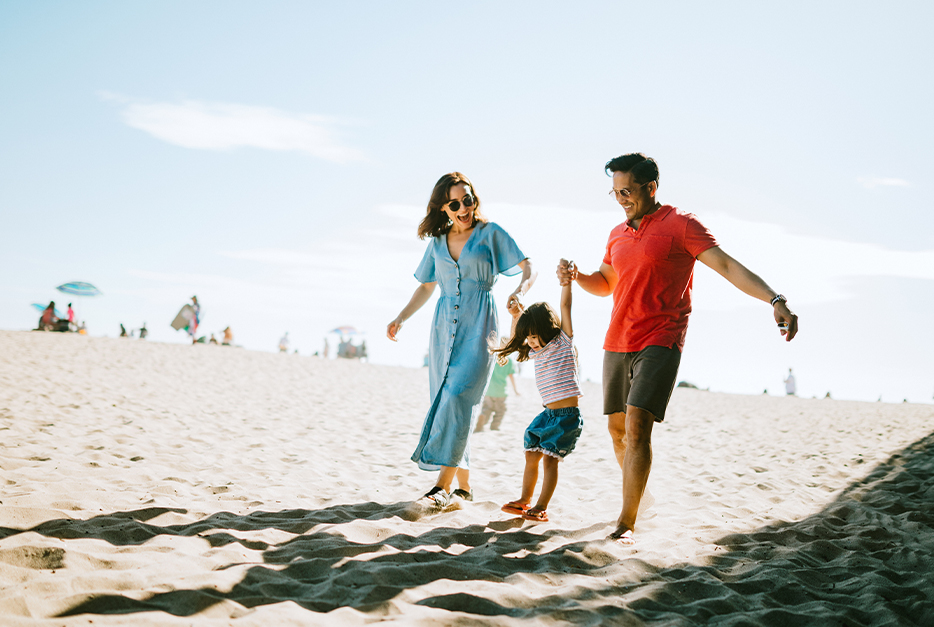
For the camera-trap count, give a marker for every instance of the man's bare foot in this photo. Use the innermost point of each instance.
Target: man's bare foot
(622, 535)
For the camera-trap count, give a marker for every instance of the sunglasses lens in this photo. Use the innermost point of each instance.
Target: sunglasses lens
(468, 201)
(454, 205)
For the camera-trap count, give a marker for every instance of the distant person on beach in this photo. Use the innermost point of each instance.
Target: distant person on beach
(327, 348)
(538, 333)
(195, 320)
(790, 384)
(284, 343)
(213, 339)
(48, 321)
(70, 314)
(465, 254)
(123, 332)
(228, 337)
(494, 403)
(143, 332)
(648, 267)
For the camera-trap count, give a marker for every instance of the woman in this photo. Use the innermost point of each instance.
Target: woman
(464, 255)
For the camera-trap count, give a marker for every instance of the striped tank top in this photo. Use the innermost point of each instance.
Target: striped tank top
(556, 370)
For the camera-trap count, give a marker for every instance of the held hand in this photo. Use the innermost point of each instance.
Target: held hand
(566, 272)
(394, 327)
(787, 321)
(514, 307)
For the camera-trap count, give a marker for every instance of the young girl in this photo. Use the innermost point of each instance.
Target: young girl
(537, 332)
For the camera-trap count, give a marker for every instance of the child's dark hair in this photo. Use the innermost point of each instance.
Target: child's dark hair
(538, 319)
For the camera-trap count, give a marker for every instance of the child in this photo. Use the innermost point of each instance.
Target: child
(494, 403)
(537, 332)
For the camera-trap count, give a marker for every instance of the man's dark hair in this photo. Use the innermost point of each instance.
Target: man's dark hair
(642, 168)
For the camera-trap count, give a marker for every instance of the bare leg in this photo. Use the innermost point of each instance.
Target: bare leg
(549, 482)
(530, 477)
(481, 422)
(634, 454)
(463, 479)
(446, 478)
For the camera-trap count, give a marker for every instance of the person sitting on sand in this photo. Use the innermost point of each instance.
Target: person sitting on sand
(48, 321)
(537, 332)
(648, 267)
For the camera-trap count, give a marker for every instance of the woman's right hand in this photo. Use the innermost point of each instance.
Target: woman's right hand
(394, 327)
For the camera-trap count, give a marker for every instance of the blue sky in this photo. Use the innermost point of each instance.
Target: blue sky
(274, 159)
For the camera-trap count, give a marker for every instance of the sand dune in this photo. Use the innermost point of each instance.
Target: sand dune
(150, 484)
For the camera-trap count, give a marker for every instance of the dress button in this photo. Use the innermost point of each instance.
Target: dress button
(457, 294)
(456, 306)
(455, 320)
(452, 335)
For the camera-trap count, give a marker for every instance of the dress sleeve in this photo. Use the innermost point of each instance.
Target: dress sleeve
(506, 253)
(426, 269)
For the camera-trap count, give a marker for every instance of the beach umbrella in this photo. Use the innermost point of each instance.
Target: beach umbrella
(41, 308)
(79, 288)
(345, 330)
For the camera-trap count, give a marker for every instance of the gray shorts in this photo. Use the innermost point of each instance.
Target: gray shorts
(644, 379)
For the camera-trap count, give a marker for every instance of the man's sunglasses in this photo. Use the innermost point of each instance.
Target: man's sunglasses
(455, 205)
(625, 193)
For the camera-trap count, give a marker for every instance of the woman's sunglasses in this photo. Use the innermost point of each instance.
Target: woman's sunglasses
(455, 205)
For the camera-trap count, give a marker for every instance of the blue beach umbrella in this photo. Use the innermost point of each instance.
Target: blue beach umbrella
(78, 288)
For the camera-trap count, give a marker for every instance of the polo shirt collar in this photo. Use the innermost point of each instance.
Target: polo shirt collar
(663, 212)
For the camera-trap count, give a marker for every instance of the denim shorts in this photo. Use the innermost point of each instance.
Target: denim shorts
(554, 431)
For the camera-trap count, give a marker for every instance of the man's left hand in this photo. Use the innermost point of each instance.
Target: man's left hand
(787, 321)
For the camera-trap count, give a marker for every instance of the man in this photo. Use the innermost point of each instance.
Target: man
(790, 384)
(649, 268)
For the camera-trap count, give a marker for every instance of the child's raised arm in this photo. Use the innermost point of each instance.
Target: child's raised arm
(566, 325)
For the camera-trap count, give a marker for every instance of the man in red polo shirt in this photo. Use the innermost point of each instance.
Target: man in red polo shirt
(649, 270)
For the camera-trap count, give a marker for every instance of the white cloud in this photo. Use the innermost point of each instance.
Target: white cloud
(872, 183)
(222, 126)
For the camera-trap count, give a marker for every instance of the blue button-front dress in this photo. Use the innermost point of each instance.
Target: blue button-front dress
(465, 323)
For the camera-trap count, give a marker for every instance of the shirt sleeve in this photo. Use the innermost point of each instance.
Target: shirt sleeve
(509, 368)
(506, 253)
(426, 269)
(697, 238)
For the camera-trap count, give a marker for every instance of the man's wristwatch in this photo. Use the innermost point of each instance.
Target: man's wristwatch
(778, 298)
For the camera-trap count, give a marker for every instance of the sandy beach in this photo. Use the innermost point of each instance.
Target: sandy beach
(156, 484)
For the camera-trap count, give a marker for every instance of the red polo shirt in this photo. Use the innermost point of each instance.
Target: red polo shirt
(655, 266)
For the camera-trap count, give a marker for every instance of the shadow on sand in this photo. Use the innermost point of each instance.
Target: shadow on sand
(866, 559)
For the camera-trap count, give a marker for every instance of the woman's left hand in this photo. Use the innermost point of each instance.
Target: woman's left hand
(513, 306)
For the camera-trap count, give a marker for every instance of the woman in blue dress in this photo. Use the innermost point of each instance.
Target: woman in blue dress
(465, 254)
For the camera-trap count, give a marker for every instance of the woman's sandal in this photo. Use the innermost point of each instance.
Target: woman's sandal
(463, 494)
(536, 514)
(438, 496)
(515, 507)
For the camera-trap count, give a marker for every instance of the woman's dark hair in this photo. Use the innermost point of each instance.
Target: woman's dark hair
(436, 222)
(642, 168)
(538, 319)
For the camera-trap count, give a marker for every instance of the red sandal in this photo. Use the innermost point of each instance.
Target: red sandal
(536, 514)
(515, 507)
